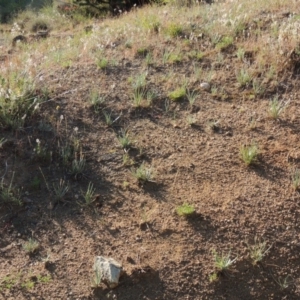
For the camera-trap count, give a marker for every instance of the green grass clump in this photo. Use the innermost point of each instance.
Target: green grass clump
(124, 139)
(258, 251)
(178, 94)
(249, 154)
(296, 179)
(225, 42)
(143, 174)
(222, 262)
(185, 210)
(31, 246)
(276, 108)
(174, 30)
(102, 63)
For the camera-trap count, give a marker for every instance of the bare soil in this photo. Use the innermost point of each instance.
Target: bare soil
(164, 256)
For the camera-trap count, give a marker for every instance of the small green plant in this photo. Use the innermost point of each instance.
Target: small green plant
(66, 154)
(185, 210)
(258, 251)
(9, 282)
(178, 94)
(213, 277)
(257, 87)
(89, 195)
(102, 63)
(225, 42)
(138, 97)
(97, 276)
(96, 100)
(142, 52)
(191, 120)
(9, 195)
(127, 160)
(174, 58)
(124, 139)
(138, 82)
(243, 77)
(276, 108)
(143, 174)
(60, 190)
(108, 119)
(151, 23)
(41, 151)
(197, 55)
(214, 91)
(149, 59)
(31, 246)
(44, 279)
(174, 30)
(249, 154)
(213, 125)
(240, 54)
(284, 283)
(222, 262)
(296, 179)
(191, 96)
(78, 166)
(29, 284)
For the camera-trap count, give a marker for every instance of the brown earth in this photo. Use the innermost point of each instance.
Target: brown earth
(164, 256)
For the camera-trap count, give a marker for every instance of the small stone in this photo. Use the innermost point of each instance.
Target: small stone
(109, 269)
(205, 86)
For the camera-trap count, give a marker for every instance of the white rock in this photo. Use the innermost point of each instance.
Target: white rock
(109, 269)
(205, 86)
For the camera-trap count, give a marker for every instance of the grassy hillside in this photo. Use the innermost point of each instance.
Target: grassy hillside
(166, 138)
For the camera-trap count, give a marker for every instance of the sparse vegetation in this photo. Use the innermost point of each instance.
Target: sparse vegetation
(258, 250)
(222, 262)
(143, 173)
(89, 195)
(296, 179)
(185, 210)
(249, 154)
(92, 109)
(178, 94)
(276, 108)
(31, 246)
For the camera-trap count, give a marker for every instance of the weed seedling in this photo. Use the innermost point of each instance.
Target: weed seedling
(258, 251)
(96, 100)
(97, 278)
(223, 262)
(284, 283)
(102, 63)
(9, 195)
(243, 77)
(276, 108)
(296, 179)
(143, 174)
(31, 246)
(78, 166)
(127, 160)
(249, 154)
(60, 190)
(174, 30)
(124, 139)
(185, 210)
(191, 96)
(108, 118)
(178, 94)
(89, 195)
(191, 120)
